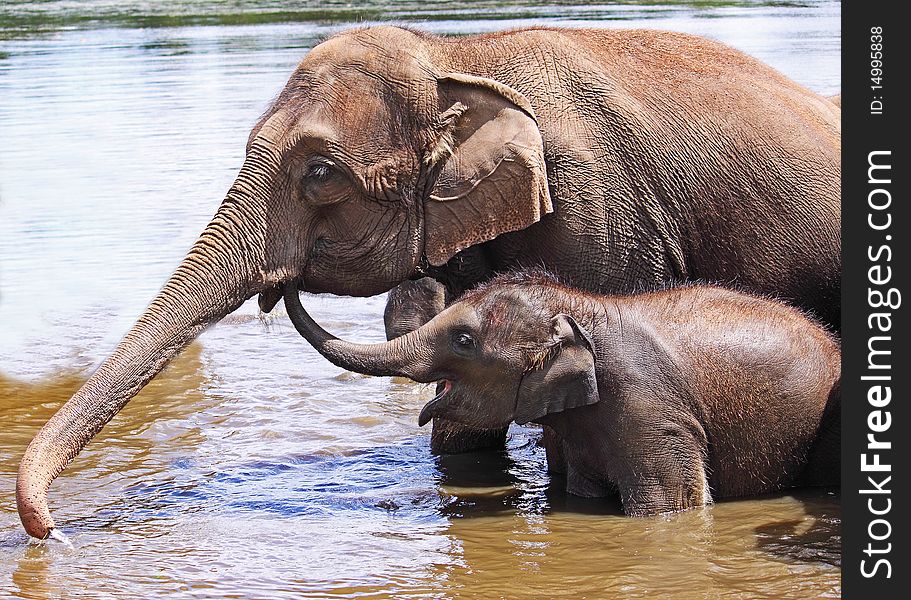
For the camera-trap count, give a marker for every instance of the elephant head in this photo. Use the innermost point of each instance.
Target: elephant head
(502, 355)
(378, 156)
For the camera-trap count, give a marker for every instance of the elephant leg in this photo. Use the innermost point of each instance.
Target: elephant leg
(408, 306)
(553, 449)
(580, 484)
(823, 466)
(667, 477)
(659, 463)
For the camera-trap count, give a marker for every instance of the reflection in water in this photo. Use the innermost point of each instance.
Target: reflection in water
(252, 467)
(812, 538)
(30, 575)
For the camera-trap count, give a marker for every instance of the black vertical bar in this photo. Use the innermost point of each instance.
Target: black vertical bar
(876, 226)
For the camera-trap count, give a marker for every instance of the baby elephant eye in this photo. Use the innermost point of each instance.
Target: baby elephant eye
(463, 342)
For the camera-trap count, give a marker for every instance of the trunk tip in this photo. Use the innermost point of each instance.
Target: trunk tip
(33, 510)
(38, 525)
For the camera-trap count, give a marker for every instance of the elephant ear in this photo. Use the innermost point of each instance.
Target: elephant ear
(566, 379)
(494, 178)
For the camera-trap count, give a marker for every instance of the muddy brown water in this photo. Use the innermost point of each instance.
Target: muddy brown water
(251, 467)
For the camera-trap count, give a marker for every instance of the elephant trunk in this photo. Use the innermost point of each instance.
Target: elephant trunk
(406, 356)
(221, 270)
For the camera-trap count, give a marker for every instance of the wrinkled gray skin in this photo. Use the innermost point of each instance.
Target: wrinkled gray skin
(670, 398)
(615, 158)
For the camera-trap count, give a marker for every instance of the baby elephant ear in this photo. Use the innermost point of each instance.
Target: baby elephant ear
(566, 380)
(493, 177)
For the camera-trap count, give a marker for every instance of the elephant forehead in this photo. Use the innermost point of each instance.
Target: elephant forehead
(362, 108)
(460, 314)
(515, 317)
(374, 58)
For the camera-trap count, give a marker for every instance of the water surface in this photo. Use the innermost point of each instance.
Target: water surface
(251, 467)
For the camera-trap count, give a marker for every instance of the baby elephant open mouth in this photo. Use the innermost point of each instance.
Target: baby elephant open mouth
(436, 405)
(633, 386)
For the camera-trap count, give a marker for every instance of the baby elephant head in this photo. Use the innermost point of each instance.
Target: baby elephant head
(500, 357)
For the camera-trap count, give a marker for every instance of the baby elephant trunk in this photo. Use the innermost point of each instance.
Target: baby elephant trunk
(406, 356)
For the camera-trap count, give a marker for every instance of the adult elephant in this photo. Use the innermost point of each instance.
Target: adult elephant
(617, 159)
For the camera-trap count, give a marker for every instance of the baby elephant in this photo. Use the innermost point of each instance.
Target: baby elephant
(671, 398)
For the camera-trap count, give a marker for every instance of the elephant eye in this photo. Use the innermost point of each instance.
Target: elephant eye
(324, 181)
(319, 172)
(462, 342)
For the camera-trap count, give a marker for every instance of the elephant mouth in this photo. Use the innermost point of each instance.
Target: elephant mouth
(269, 297)
(439, 401)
